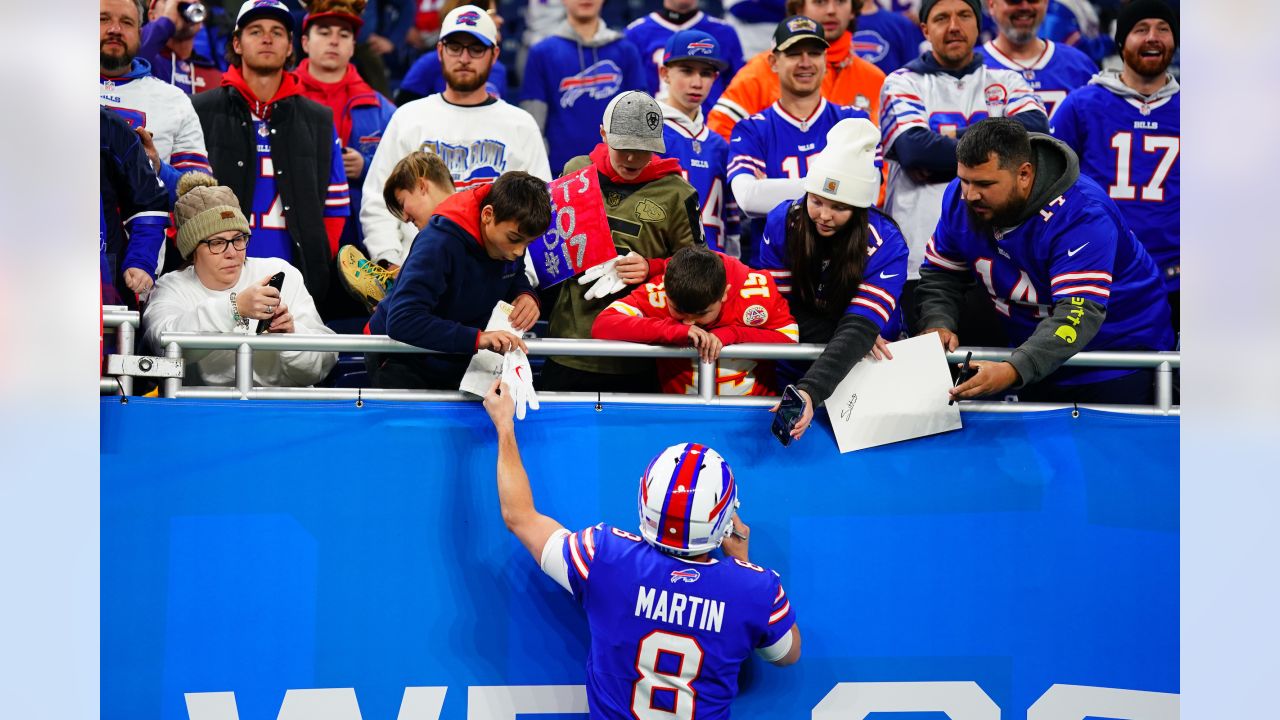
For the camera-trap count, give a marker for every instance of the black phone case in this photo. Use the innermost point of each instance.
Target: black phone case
(277, 282)
(781, 428)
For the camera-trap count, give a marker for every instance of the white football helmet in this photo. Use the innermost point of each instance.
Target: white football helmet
(687, 498)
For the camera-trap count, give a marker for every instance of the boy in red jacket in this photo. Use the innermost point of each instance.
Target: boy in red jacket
(708, 300)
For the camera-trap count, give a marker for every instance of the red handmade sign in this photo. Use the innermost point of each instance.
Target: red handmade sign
(579, 237)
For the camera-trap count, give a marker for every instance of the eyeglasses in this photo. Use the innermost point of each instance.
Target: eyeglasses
(217, 246)
(455, 50)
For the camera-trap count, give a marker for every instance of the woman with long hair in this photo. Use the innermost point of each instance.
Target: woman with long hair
(839, 262)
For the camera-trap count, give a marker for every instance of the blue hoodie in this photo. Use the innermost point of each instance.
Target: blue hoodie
(447, 288)
(568, 82)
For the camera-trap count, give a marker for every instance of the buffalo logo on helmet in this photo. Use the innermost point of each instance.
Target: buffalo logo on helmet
(755, 315)
(700, 47)
(802, 24)
(470, 17)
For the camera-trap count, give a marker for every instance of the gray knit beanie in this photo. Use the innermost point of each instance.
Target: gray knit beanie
(204, 208)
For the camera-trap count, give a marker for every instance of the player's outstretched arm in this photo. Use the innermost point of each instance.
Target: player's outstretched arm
(514, 495)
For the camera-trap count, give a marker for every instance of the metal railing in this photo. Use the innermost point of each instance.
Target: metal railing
(174, 343)
(124, 323)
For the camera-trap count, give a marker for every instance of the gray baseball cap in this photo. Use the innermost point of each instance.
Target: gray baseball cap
(633, 121)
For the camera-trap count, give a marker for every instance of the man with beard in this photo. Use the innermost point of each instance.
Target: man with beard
(1058, 262)
(277, 150)
(1052, 69)
(479, 136)
(168, 43)
(926, 107)
(173, 137)
(1125, 127)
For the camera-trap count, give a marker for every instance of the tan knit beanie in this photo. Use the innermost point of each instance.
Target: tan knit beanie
(204, 208)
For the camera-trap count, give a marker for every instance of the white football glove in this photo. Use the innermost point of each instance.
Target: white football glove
(518, 376)
(605, 276)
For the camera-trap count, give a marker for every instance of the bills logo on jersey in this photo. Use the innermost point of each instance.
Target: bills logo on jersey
(688, 575)
(470, 17)
(755, 316)
(599, 81)
(996, 94)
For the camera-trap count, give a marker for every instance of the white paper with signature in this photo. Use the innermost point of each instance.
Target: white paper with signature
(885, 401)
(486, 365)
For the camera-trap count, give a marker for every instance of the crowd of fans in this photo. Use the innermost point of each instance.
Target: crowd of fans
(847, 172)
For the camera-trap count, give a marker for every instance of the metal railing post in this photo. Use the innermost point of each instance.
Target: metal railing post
(1164, 387)
(244, 370)
(124, 346)
(172, 385)
(707, 374)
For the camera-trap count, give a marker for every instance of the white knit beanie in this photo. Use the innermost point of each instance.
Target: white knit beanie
(846, 172)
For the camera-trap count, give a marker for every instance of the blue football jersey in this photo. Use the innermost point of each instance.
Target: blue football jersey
(1059, 70)
(668, 636)
(704, 159)
(1077, 247)
(780, 145)
(650, 34)
(1131, 148)
(887, 39)
(267, 219)
(882, 279)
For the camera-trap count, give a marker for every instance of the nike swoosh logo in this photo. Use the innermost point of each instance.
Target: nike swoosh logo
(1072, 253)
(886, 277)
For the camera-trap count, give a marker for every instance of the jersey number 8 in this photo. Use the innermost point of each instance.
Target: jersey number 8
(668, 664)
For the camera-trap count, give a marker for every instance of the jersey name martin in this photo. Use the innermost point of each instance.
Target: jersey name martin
(704, 613)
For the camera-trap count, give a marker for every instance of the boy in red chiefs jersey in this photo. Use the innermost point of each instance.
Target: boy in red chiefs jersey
(708, 300)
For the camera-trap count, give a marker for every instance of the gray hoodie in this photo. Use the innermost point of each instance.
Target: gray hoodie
(1110, 79)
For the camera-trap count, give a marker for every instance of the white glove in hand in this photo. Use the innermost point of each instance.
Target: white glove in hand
(518, 376)
(606, 279)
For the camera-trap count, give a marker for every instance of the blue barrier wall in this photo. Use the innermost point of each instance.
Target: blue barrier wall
(258, 547)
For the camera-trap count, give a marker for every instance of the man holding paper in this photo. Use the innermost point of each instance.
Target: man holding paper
(1062, 269)
(469, 256)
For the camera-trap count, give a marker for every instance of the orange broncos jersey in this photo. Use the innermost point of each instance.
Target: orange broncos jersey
(849, 80)
(754, 312)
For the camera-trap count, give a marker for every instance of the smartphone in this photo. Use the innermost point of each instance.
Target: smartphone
(277, 282)
(789, 412)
